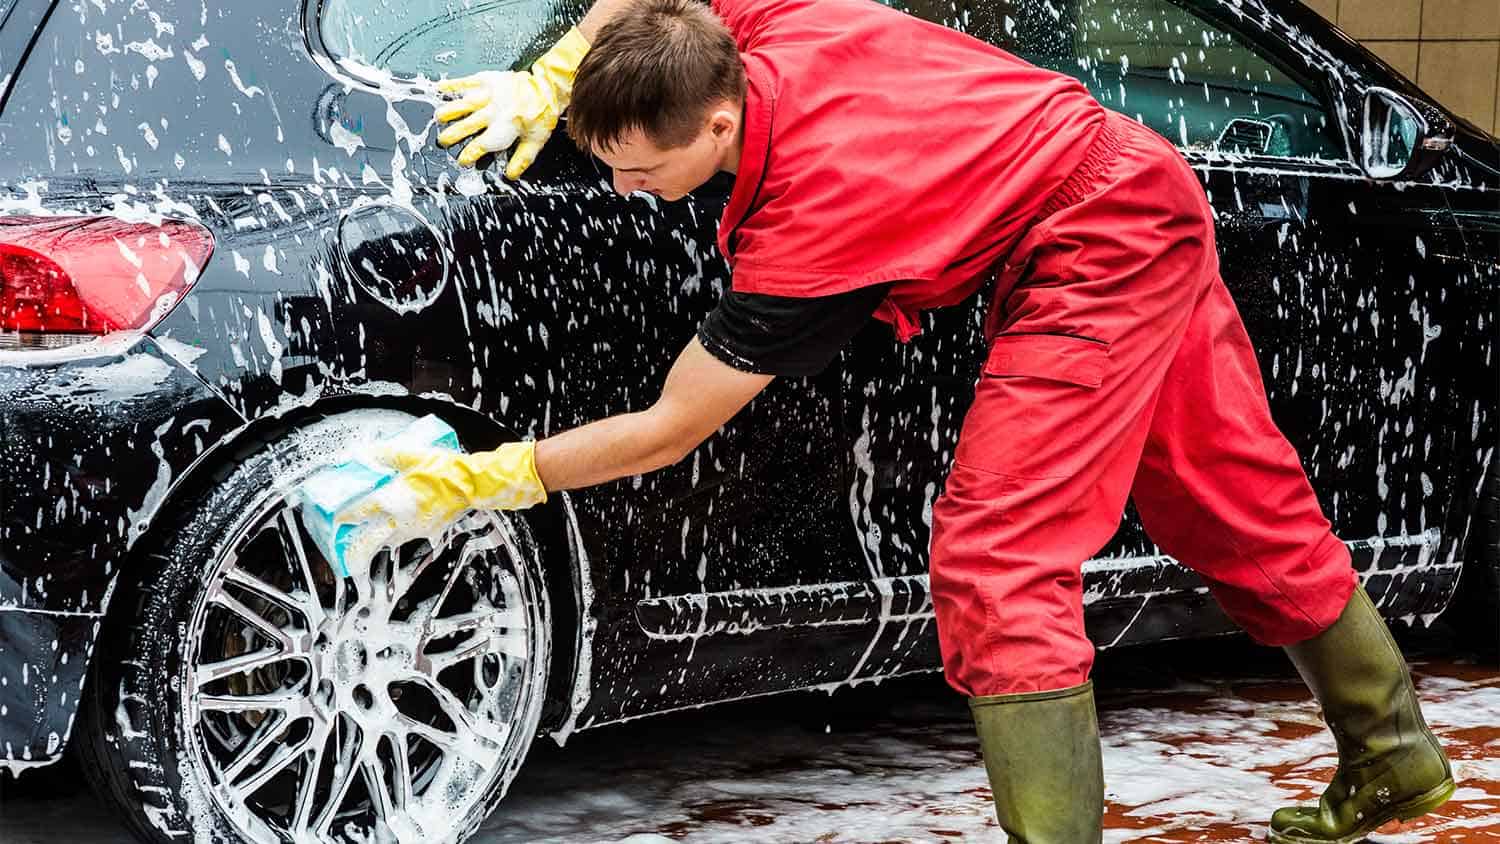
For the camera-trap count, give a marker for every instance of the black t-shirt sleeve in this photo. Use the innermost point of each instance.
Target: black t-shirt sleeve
(786, 335)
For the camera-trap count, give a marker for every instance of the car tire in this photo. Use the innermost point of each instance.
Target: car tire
(238, 698)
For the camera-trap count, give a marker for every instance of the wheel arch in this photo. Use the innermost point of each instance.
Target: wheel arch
(552, 525)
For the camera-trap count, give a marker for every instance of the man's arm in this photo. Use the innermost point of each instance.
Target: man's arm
(745, 343)
(700, 395)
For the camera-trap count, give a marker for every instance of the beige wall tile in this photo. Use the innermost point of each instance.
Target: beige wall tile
(1381, 18)
(1462, 76)
(1461, 19)
(1496, 130)
(1402, 55)
(1327, 8)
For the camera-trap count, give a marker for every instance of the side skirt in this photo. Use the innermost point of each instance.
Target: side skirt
(1126, 600)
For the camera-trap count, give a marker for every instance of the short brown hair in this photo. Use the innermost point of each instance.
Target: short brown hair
(657, 66)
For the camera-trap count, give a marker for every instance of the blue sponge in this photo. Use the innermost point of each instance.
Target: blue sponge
(329, 490)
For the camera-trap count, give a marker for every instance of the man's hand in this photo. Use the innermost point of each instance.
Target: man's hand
(503, 107)
(436, 486)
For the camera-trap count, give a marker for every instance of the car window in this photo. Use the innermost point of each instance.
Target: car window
(435, 38)
(1197, 82)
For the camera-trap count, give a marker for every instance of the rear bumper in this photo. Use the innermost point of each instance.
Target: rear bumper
(89, 450)
(44, 659)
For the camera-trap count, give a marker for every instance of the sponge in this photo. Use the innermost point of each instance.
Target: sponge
(328, 491)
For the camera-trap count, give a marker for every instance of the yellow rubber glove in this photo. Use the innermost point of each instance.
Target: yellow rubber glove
(503, 107)
(436, 486)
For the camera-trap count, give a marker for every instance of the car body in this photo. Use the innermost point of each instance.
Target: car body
(355, 269)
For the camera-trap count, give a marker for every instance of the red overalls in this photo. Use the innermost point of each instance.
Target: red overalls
(879, 148)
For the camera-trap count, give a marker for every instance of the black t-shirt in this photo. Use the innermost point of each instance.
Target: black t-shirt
(786, 335)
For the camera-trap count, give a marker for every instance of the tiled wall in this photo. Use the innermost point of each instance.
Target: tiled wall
(1449, 47)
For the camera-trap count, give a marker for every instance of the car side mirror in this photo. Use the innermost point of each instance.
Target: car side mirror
(1401, 139)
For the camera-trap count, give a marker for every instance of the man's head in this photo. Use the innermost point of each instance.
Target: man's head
(659, 97)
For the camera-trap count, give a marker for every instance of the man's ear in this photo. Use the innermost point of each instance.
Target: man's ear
(724, 123)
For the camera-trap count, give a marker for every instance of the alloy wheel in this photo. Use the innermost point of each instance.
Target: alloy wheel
(380, 706)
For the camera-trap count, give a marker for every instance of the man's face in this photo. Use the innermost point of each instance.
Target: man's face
(640, 165)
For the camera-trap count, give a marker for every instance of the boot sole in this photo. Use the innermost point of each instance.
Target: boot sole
(1410, 810)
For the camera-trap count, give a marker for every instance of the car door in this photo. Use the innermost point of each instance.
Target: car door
(570, 303)
(1344, 284)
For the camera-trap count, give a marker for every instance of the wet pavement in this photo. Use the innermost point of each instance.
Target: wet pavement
(1202, 741)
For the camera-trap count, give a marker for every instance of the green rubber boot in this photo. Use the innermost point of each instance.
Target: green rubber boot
(1042, 754)
(1390, 763)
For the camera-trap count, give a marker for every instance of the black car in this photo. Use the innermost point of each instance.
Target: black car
(231, 252)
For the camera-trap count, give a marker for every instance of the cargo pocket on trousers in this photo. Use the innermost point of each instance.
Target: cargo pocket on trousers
(1068, 358)
(1035, 413)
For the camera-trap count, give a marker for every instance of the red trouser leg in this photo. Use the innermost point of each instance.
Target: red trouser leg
(1220, 489)
(1116, 353)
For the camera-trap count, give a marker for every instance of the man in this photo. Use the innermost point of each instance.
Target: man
(884, 166)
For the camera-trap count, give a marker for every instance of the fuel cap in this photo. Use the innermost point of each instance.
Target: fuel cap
(394, 255)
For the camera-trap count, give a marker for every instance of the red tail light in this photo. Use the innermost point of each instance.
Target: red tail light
(68, 279)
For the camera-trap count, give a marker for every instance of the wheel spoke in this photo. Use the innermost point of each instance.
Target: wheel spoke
(381, 799)
(441, 628)
(261, 623)
(510, 618)
(470, 649)
(205, 674)
(284, 757)
(403, 578)
(462, 718)
(344, 770)
(443, 740)
(400, 770)
(302, 811)
(442, 598)
(249, 582)
(291, 543)
(269, 730)
(513, 645)
(293, 703)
